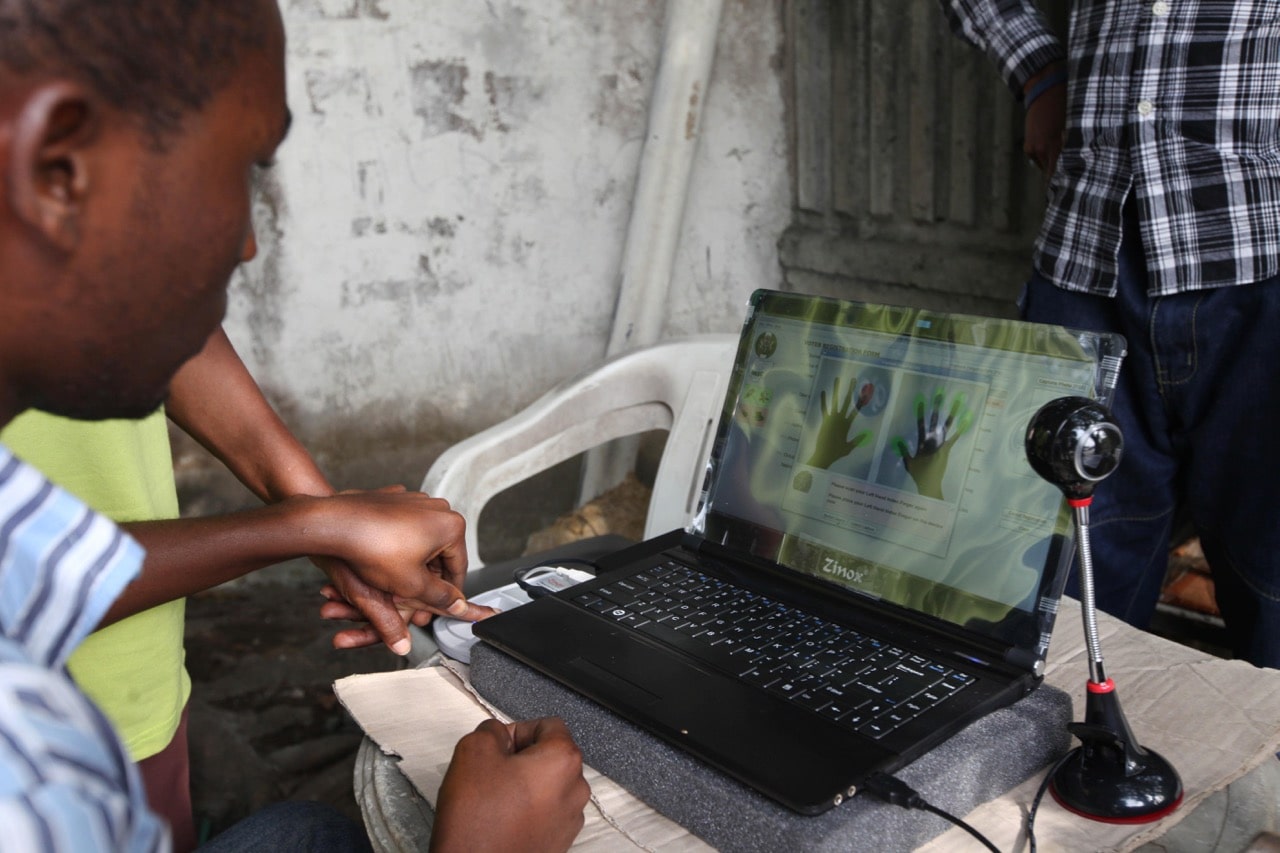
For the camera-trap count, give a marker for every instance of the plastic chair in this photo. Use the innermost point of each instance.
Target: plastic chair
(677, 385)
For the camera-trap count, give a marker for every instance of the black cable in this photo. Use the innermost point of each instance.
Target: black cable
(929, 807)
(893, 790)
(1035, 803)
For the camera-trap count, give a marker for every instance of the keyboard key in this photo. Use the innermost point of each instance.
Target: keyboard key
(760, 677)
(874, 728)
(811, 700)
(835, 710)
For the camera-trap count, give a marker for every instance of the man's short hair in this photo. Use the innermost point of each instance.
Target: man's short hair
(158, 60)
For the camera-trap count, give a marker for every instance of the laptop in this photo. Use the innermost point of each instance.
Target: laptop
(873, 564)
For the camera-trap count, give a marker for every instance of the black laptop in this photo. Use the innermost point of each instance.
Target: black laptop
(873, 565)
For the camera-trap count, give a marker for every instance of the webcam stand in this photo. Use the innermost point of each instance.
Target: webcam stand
(1109, 777)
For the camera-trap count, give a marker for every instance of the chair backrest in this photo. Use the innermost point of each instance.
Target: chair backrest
(677, 385)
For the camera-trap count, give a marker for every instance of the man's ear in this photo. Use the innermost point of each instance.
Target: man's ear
(49, 163)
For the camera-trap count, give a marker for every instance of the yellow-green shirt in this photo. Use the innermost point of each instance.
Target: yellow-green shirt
(133, 669)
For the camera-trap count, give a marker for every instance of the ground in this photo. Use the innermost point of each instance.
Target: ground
(265, 725)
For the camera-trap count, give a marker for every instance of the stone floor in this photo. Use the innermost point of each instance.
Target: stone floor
(265, 725)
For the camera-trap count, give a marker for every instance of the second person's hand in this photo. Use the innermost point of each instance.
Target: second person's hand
(394, 556)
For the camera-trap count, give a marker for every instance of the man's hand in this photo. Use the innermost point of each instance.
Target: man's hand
(387, 621)
(934, 440)
(514, 787)
(1045, 121)
(394, 557)
(834, 442)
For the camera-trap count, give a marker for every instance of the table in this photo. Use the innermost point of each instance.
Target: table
(1218, 721)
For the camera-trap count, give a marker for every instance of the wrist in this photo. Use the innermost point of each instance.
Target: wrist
(316, 531)
(1051, 76)
(301, 478)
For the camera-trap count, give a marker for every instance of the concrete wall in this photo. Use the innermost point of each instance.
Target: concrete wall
(441, 235)
(911, 185)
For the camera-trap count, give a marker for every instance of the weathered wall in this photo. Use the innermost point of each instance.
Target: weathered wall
(911, 184)
(441, 235)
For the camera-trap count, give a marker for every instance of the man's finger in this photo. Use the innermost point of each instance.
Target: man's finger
(527, 733)
(450, 602)
(356, 638)
(340, 610)
(468, 612)
(386, 621)
(501, 734)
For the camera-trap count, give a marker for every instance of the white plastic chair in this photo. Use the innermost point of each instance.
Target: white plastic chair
(677, 385)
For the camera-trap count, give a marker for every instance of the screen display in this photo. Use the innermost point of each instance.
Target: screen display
(880, 449)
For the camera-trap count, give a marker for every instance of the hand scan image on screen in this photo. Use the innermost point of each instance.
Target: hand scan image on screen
(880, 449)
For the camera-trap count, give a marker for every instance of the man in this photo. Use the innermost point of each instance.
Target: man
(128, 135)
(133, 668)
(1160, 139)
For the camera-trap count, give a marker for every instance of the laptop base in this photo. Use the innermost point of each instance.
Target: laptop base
(979, 763)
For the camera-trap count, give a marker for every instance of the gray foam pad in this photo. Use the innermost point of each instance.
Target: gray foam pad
(977, 764)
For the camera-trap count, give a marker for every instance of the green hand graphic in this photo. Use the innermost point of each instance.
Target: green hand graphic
(833, 442)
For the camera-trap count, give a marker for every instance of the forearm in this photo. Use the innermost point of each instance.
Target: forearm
(216, 401)
(188, 555)
(399, 543)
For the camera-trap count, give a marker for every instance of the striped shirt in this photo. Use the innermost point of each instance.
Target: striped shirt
(66, 782)
(1172, 105)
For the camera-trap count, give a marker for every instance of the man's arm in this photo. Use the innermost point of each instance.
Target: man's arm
(1016, 37)
(65, 782)
(404, 543)
(216, 401)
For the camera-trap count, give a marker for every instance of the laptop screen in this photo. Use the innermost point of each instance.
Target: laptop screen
(879, 449)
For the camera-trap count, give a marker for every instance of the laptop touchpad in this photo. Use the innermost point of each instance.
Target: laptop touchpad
(613, 684)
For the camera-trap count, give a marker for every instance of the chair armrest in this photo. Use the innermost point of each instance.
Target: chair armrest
(632, 393)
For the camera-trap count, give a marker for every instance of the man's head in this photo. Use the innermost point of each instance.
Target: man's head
(129, 130)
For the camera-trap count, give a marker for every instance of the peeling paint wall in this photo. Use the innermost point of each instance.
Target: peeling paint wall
(441, 235)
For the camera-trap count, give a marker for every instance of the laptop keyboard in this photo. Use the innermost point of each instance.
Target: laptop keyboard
(846, 676)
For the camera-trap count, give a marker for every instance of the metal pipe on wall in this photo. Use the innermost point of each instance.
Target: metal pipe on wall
(657, 214)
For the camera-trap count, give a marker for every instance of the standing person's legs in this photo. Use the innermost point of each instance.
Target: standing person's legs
(1131, 518)
(1229, 340)
(167, 777)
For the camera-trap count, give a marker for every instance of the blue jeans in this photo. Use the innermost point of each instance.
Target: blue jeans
(292, 827)
(1199, 404)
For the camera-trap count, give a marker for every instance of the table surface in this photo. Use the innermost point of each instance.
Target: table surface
(1216, 720)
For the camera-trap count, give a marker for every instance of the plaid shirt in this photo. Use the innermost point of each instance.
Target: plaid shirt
(1173, 105)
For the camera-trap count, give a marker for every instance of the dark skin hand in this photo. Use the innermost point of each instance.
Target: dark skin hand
(217, 402)
(510, 788)
(1045, 122)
